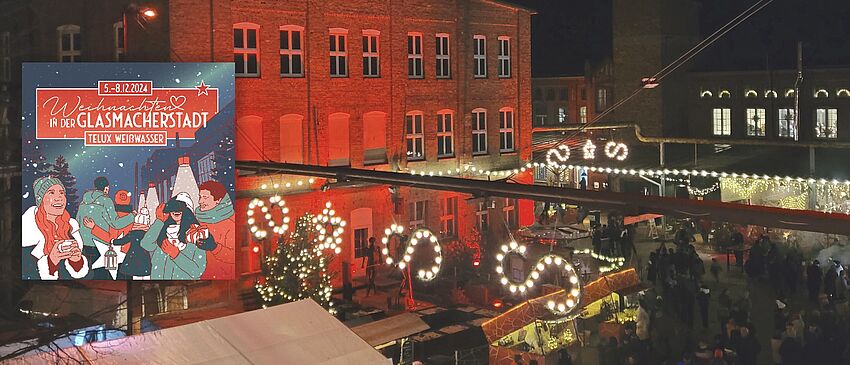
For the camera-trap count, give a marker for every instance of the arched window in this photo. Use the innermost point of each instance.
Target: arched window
(69, 43)
(821, 93)
(445, 133)
(338, 142)
(506, 130)
(374, 138)
(789, 93)
(479, 131)
(842, 93)
(414, 136)
(724, 94)
(770, 94)
(750, 93)
(292, 138)
(706, 94)
(249, 138)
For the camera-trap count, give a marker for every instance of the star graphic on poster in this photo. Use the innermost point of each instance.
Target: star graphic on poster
(202, 88)
(102, 248)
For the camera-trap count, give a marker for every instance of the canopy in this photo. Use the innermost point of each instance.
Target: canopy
(295, 333)
(390, 329)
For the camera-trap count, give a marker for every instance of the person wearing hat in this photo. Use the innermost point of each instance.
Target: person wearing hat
(99, 207)
(175, 253)
(51, 246)
(137, 262)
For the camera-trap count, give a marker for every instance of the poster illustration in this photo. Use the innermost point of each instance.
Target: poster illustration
(128, 171)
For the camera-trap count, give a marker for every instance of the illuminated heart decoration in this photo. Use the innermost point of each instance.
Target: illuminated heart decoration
(558, 155)
(417, 237)
(616, 150)
(573, 295)
(260, 216)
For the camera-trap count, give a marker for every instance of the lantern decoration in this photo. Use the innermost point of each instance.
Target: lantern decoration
(560, 308)
(110, 259)
(419, 236)
(329, 230)
(260, 216)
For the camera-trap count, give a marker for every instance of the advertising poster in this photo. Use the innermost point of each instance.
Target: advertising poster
(128, 171)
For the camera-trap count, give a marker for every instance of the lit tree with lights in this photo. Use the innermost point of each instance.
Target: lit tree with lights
(297, 269)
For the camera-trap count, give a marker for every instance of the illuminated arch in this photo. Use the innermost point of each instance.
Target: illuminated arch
(750, 93)
(842, 93)
(706, 94)
(789, 93)
(724, 94)
(821, 93)
(770, 93)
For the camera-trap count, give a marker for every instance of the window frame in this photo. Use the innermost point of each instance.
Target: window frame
(828, 121)
(417, 217)
(477, 132)
(414, 54)
(334, 54)
(291, 52)
(448, 217)
(370, 36)
(760, 113)
(479, 59)
(74, 51)
(788, 123)
(725, 122)
(445, 136)
(505, 130)
(443, 56)
(504, 57)
(482, 216)
(245, 51)
(119, 37)
(414, 136)
(509, 211)
(582, 113)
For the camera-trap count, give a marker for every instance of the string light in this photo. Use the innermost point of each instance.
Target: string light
(289, 184)
(561, 154)
(418, 236)
(330, 229)
(703, 192)
(260, 216)
(468, 169)
(589, 150)
(560, 308)
(618, 151)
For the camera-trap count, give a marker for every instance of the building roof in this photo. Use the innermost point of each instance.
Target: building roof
(514, 5)
(390, 329)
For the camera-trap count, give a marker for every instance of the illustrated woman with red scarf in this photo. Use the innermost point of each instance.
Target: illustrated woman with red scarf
(51, 243)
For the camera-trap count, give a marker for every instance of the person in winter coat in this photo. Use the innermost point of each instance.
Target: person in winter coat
(51, 246)
(137, 262)
(99, 207)
(175, 253)
(215, 212)
(703, 296)
(642, 323)
(814, 278)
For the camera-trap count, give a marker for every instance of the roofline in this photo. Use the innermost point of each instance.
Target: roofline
(509, 4)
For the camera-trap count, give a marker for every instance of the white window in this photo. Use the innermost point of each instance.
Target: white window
(506, 130)
(291, 51)
(787, 123)
(371, 55)
(246, 52)
(338, 52)
(826, 123)
(69, 43)
(509, 212)
(562, 115)
(582, 114)
(540, 174)
(206, 165)
(445, 130)
(504, 57)
(414, 136)
(479, 132)
(482, 216)
(443, 64)
(5, 57)
(720, 121)
(479, 55)
(414, 55)
(118, 40)
(755, 122)
(448, 219)
(418, 210)
(601, 99)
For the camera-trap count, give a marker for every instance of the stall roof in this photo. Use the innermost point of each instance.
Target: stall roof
(295, 333)
(605, 285)
(390, 329)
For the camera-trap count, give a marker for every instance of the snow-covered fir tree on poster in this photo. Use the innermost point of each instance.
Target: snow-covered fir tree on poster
(96, 137)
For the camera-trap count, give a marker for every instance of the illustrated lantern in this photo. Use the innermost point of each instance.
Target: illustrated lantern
(110, 258)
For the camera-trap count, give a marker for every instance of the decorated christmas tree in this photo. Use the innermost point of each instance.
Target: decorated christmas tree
(297, 269)
(62, 172)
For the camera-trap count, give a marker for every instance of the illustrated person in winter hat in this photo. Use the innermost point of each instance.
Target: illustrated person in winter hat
(137, 262)
(175, 243)
(51, 246)
(99, 207)
(215, 213)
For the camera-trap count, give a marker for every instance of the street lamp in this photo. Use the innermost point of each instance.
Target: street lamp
(148, 13)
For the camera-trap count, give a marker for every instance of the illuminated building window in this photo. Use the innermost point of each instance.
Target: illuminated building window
(826, 123)
(246, 52)
(414, 56)
(540, 174)
(291, 138)
(842, 93)
(337, 39)
(506, 130)
(339, 152)
(562, 115)
(371, 55)
(724, 94)
(361, 228)
(789, 93)
(787, 123)
(5, 57)
(374, 138)
(582, 114)
(722, 126)
(482, 216)
(509, 211)
(291, 51)
(705, 94)
(249, 138)
(118, 40)
(418, 210)
(479, 55)
(479, 131)
(504, 57)
(821, 93)
(750, 93)
(445, 130)
(770, 94)
(361, 242)
(602, 99)
(69, 43)
(448, 217)
(443, 62)
(414, 136)
(755, 122)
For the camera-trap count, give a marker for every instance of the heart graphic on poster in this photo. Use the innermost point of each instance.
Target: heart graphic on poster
(177, 101)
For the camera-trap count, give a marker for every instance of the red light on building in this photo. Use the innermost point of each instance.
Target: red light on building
(476, 262)
(497, 303)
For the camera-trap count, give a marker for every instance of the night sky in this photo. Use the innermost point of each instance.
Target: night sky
(565, 33)
(87, 163)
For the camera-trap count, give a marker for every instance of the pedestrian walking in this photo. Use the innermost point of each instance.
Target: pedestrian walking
(715, 270)
(703, 297)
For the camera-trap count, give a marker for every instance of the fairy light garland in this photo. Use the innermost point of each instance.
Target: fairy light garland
(265, 215)
(703, 192)
(329, 230)
(549, 260)
(289, 185)
(418, 236)
(469, 169)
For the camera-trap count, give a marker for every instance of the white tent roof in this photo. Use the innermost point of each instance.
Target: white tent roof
(295, 333)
